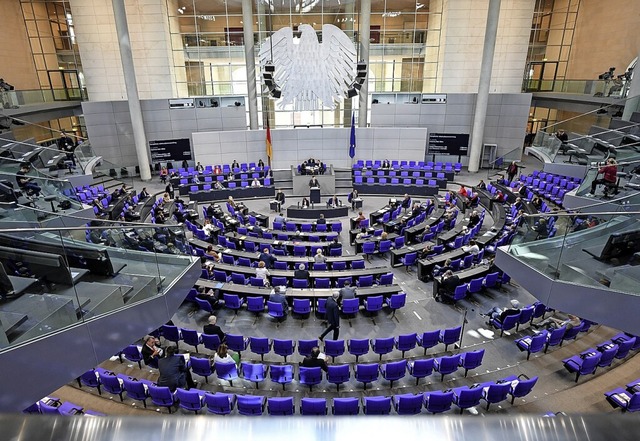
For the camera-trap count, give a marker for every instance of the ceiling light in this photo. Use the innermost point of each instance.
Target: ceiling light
(419, 6)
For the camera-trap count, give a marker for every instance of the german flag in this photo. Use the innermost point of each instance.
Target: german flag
(269, 146)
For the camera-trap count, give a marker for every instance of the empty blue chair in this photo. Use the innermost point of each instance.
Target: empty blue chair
(191, 337)
(386, 279)
(136, 390)
(446, 365)
(382, 346)
(192, 400)
(238, 279)
(250, 405)
(624, 346)
(171, 333)
(428, 339)
(323, 282)
(334, 348)
(408, 404)
(532, 344)
(90, 379)
(350, 306)
(310, 376)
(313, 406)
(255, 372)
(358, 347)
(521, 387)
(300, 283)
(275, 310)
(357, 264)
(376, 405)
(475, 285)
(449, 336)
(301, 306)
(625, 400)
(338, 374)
(346, 406)
(583, 364)
(281, 374)
(226, 371)
(338, 266)
(161, 396)
(420, 368)
(364, 281)
(260, 345)
(211, 342)
(397, 301)
(284, 348)
(495, 392)
(405, 342)
(466, 397)
(368, 248)
(237, 343)
(367, 373)
(393, 371)
(280, 406)
(471, 360)
(526, 315)
(219, 403)
(278, 281)
(608, 355)
(409, 260)
(201, 367)
(373, 303)
(255, 305)
(438, 401)
(384, 247)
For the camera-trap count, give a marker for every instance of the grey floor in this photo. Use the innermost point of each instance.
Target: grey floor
(555, 390)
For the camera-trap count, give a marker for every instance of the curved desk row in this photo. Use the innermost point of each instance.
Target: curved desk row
(333, 276)
(236, 193)
(314, 213)
(399, 189)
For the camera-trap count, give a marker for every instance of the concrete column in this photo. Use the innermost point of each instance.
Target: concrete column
(128, 69)
(633, 98)
(477, 135)
(250, 62)
(364, 28)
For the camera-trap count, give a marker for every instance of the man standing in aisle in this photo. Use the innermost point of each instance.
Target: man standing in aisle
(333, 316)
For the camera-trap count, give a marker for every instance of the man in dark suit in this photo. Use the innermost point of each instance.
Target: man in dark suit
(313, 182)
(267, 258)
(213, 329)
(448, 285)
(332, 316)
(151, 351)
(67, 145)
(301, 273)
(335, 244)
(314, 360)
(347, 291)
(278, 296)
(321, 220)
(173, 371)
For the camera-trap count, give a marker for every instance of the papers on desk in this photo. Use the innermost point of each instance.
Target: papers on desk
(622, 397)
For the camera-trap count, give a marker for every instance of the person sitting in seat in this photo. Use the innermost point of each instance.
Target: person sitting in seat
(439, 270)
(267, 258)
(319, 257)
(321, 220)
(481, 185)
(386, 165)
(335, 244)
(474, 218)
(224, 355)
(256, 183)
(278, 296)
(301, 272)
(260, 163)
(552, 323)
(609, 178)
(151, 351)
(500, 314)
(334, 202)
(25, 182)
(235, 165)
(322, 168)
(173, 371)
(305, 203)
(213, 329)
(359, 219)
(472, 248)
(462, 191)
(448, 285)
(406, 202)
(263, 273)
(315, 359)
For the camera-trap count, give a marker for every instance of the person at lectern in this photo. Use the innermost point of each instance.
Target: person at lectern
(313, 182)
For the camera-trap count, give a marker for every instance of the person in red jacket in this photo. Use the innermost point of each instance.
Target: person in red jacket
(609, 175)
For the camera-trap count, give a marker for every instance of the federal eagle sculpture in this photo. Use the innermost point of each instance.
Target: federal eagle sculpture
(310, 74)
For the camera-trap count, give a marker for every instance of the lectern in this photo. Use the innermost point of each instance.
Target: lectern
(314, 195)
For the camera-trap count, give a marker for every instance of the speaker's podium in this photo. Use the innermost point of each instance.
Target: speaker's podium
(314, 195)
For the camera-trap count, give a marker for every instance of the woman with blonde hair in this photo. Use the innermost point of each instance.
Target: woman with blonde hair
(263, 273)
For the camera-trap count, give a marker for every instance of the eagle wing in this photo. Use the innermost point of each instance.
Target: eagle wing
(278, 48)
(339, 56)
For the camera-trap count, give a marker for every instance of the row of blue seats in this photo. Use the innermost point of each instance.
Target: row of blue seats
(434, 402)
(408, 165)
(337, 374)
(627, 398)
(286, 347)
(55, 406)
(587, 362)
(226, 168)
(397, 181)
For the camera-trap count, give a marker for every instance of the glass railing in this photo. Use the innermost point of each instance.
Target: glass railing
(55, 278)
(106, 171)
(601, 88)
(597, 250)
(17, 98)
(547, 143)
